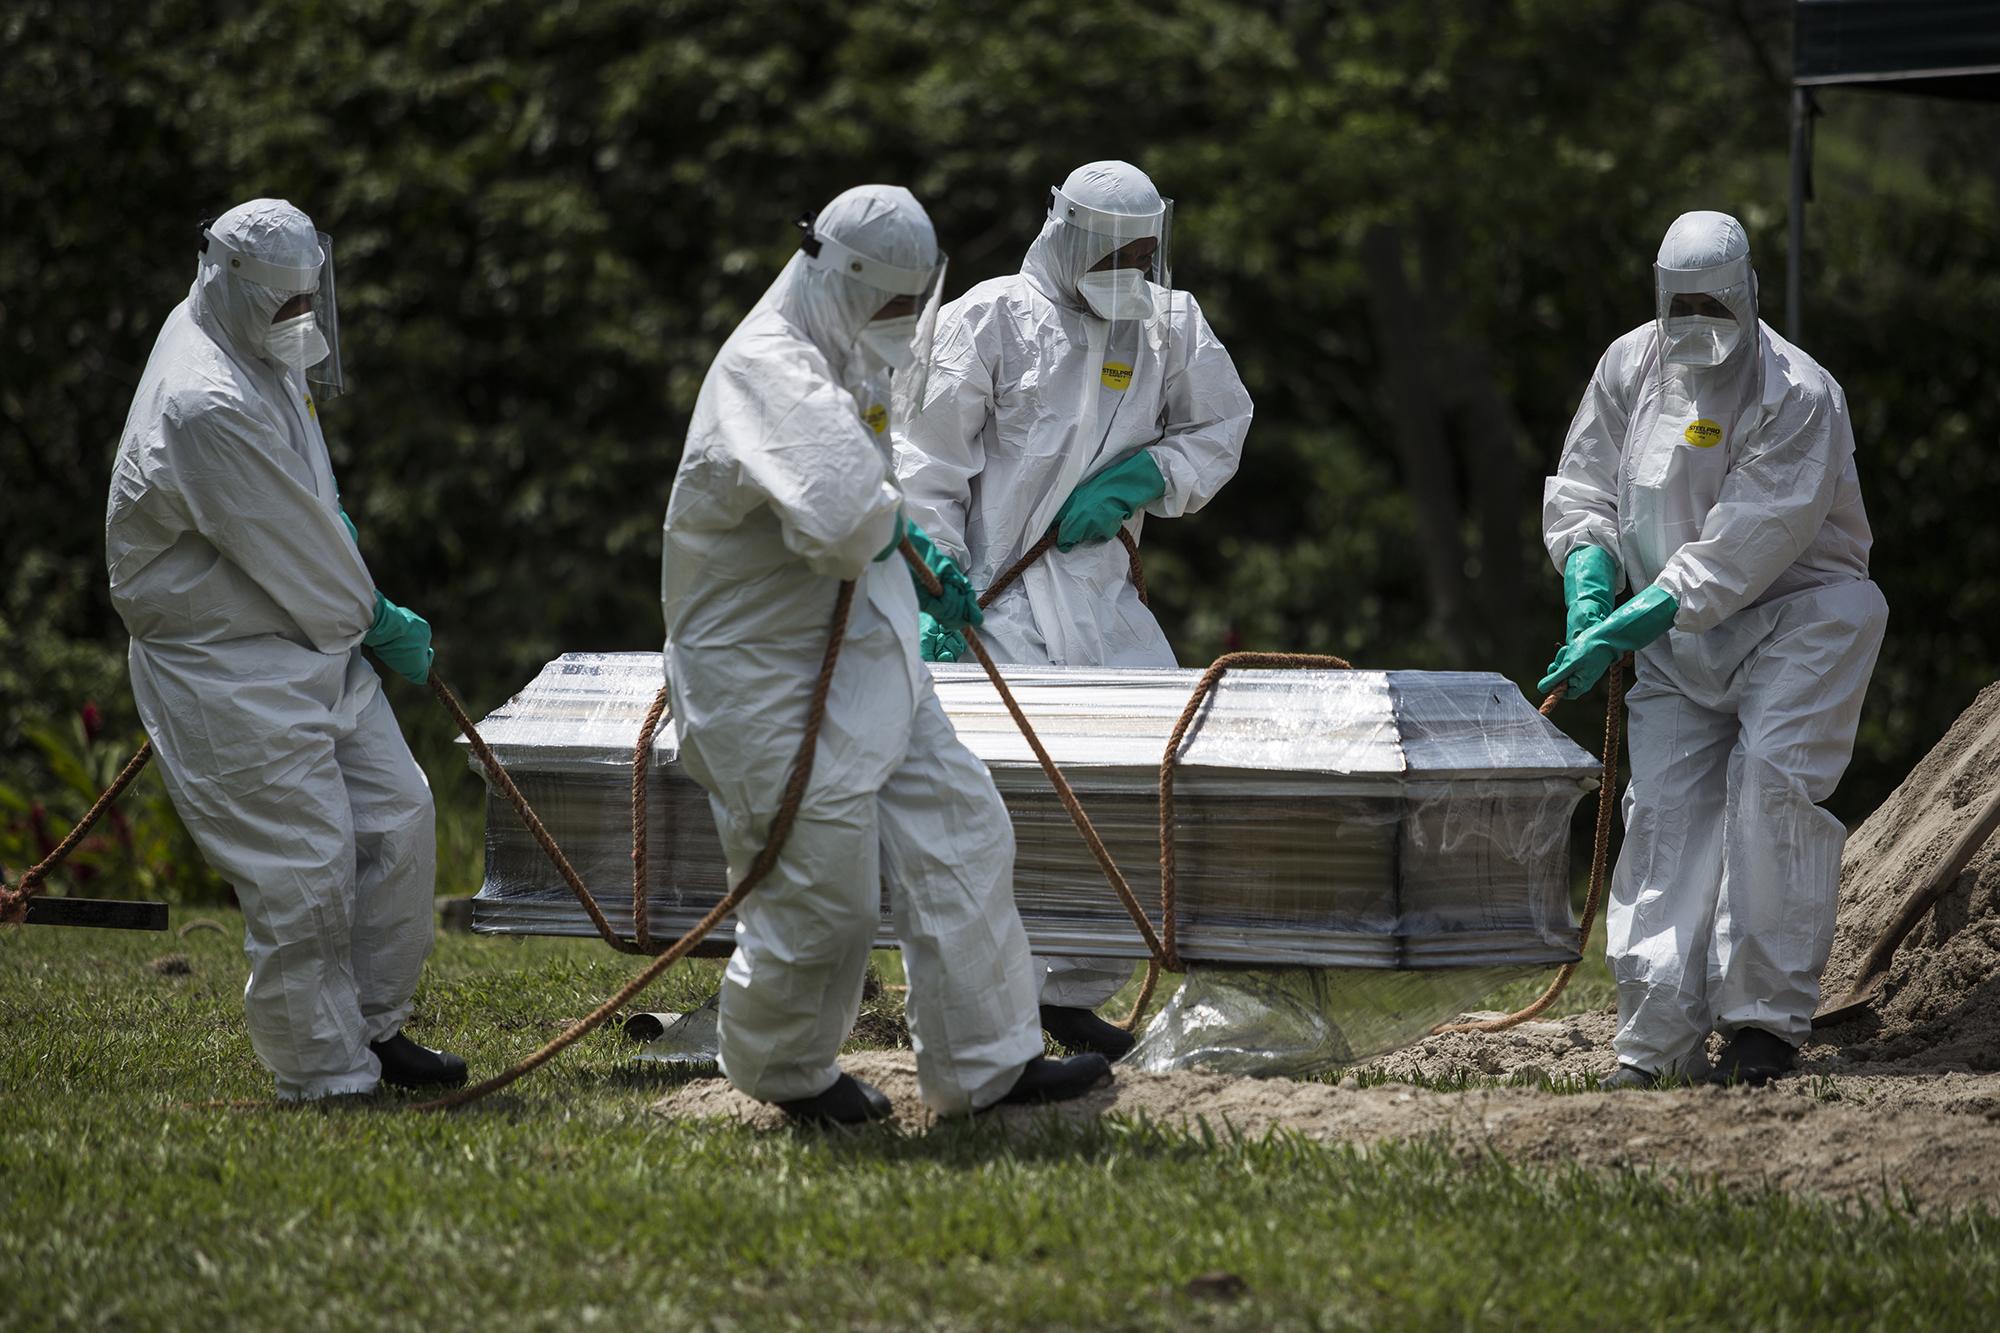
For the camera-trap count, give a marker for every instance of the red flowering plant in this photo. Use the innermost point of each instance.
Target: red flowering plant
(139, 849)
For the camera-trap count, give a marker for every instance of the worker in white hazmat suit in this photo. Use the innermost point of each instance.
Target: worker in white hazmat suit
(1083, 392)
(1711, 469)
(784, 491)
(239, 579)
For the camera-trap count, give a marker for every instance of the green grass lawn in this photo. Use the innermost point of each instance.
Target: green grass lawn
(133, 1196)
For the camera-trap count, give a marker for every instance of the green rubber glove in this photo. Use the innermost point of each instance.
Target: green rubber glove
(958, 605)
(1626, 630)
(1589, 577)
(348, 523)
(939, 644)
(895, 538)
(1099, 507)
(402, 639)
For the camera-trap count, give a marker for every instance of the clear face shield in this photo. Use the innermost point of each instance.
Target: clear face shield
(326, 376)
(1123, 261)
(900, 339)
(1704, 314)
(305, 332)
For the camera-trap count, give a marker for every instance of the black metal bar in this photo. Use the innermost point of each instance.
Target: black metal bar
(103, 913)
(1795, 258)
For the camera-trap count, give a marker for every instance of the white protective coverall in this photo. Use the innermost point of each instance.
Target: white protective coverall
(246, 602)
(1733, 487)
(782, 493)
(1031, 394)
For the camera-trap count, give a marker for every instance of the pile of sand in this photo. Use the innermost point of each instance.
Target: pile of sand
(1940, 1005)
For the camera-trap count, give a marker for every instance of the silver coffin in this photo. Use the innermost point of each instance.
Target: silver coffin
(1398, 819)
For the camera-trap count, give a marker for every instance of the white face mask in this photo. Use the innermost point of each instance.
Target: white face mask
(1700, 340)
(1117, 293)
(297, 341)
(892, 341)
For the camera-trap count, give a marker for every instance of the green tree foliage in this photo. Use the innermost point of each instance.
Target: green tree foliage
(1415, 224)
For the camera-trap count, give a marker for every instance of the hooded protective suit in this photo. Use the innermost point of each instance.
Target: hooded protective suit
(784, 491)
(247, 601)
(1030, 394)
(1732, 487)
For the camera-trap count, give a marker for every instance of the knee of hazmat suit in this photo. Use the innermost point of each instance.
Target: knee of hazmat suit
(784, 490)
(1714, 461)
(246, 601)
(1048, 377)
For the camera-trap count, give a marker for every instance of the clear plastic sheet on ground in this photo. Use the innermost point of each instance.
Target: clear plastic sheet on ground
(692, 1038)
(1299, 1021)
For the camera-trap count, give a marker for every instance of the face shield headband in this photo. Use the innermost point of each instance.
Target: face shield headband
(1121, 229)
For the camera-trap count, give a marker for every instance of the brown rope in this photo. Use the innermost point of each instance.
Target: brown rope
(527, 814)
(1170, 956)
(993, 590)
(1131, 1021)
(1042, 548)
(14, 901)
(1607, 800)
(642, 757)
(774, 843)
(1055, 774)
(1161, 951)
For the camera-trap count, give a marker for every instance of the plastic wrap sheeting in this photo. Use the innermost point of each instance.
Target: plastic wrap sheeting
(692, 1038)
(1294, 1022)
(1323, 818)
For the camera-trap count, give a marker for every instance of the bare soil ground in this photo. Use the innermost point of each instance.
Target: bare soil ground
(1932, 1140)
(1902, 1103)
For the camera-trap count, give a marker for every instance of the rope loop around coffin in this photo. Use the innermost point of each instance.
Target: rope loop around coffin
(781, 828)
(1600, 856)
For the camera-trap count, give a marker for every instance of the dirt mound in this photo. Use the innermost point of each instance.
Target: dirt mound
(1936, 1139)
(1564, 1050)
(1940, 1004)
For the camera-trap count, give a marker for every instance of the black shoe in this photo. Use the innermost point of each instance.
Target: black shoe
(1083, 1030)
(1629, 1078)
(1755, 1057)
(848, 1102)
(408, 1065)
(1057, 1080)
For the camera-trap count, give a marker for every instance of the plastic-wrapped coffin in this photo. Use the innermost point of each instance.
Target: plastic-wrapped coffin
(1323, 818)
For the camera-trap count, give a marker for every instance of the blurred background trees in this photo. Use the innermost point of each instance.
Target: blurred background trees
(1415, 224)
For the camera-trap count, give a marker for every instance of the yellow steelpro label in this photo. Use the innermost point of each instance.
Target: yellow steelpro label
(1703, 434)
(1117, 376)
(877, 418)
